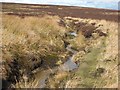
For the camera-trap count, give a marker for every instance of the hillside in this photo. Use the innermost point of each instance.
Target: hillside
(48, 46)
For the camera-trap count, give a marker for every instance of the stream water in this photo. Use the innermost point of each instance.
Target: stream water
(69, 65)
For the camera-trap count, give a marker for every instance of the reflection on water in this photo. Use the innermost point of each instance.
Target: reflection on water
(44, 75)
(69, 65)
(73, 33)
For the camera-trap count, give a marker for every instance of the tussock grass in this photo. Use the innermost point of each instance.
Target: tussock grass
(30, 40)
(99, 65)
(32, 34)
(79, 42)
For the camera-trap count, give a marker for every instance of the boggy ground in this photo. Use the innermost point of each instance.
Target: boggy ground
(61, 11)
(97, 56)
(31, 45)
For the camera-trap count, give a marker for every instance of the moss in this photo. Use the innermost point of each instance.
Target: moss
(52, 56)
(85, 73)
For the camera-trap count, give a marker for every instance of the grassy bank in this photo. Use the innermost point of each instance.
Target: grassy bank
(31, 42)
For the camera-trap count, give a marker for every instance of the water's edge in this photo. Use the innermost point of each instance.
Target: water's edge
(69, 65)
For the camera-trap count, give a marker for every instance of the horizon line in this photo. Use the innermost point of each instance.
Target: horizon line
(63, 5)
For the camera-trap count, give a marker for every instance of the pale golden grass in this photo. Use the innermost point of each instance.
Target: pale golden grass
(60, 76)
(31, 34)
(79, 42)
(30, 27)
(54, 82)
(40, 35)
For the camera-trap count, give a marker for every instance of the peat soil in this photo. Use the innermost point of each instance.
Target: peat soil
(61, 11)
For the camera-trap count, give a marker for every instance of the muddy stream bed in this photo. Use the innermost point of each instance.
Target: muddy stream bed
(69, 65)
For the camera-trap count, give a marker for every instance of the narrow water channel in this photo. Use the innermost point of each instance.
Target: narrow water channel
(69, 65)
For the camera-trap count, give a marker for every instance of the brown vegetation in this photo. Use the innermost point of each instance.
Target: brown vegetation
(39, 43)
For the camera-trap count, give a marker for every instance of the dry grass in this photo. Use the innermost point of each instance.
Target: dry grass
(31, 34)
(27, 41)
(43, 38)
(79, 42)
(103, 53)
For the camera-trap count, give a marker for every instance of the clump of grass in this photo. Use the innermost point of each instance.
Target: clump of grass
(79, 42)
(27, 40)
